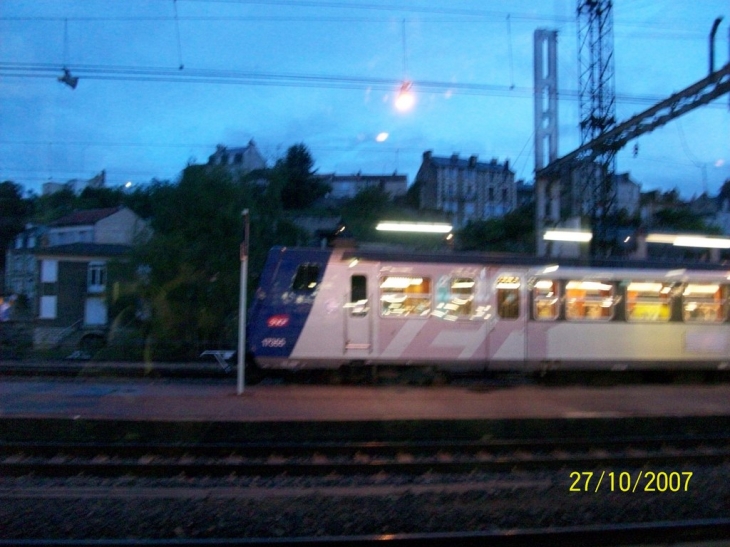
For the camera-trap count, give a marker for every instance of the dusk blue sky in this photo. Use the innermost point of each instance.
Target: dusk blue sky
(326, 73)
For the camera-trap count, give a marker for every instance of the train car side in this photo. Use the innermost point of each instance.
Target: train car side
(325, 309)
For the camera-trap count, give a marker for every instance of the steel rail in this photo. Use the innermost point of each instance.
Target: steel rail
(679, 533)
(311, 459)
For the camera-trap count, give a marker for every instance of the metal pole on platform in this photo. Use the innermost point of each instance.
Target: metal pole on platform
(242, 305)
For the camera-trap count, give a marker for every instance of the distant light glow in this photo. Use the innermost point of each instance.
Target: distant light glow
(424, 227)
(382, 137)
(720, 162)
(128, 184)
(568, 235)
(405, 99)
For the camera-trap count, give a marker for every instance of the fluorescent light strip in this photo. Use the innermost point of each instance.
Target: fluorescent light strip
(568, 235)
(707, 242)
(424, 227)
(680, 240)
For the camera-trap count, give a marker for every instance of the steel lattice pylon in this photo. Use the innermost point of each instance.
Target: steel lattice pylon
(594, 191)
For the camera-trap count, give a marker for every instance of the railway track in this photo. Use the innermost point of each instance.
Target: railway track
(679, 534)
(464, 493)
(59, 459)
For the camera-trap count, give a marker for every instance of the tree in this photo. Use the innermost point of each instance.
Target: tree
(14, 211)
(50, 207)
(301, 187)
(99, 198)
(192, 257)
(515, 232)
(361, 213)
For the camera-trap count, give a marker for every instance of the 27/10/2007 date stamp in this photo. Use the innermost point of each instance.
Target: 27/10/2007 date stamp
(638, 481)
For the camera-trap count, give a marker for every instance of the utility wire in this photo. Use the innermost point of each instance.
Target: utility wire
(179, 43)
(511, 59)
(218, 76)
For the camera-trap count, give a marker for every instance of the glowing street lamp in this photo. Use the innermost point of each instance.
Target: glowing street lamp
(405, 99)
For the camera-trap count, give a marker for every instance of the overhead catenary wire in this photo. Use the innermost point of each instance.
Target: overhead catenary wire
(282, 79)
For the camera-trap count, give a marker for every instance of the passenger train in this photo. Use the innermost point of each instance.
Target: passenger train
(327, 308)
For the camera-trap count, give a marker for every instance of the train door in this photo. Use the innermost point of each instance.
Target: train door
(358, 318)
(507, 336)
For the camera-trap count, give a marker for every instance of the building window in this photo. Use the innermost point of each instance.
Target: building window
(490, 193)
(48, 306)
(49, 271)
(96, 278)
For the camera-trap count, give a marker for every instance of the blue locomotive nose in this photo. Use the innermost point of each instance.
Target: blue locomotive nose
(284, 300)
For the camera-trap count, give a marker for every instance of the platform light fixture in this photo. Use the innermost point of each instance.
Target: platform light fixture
(577, 236)
(419, 227)
(688, 240)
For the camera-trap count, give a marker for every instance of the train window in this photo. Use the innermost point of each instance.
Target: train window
(704, 303)
(306, 278)
(589, 300)
(546, 300)
(454, 298)
(358, 296)
(650, 300)
(401, 296)
(508, 297)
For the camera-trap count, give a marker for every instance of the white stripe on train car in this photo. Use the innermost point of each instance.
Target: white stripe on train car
(512, 348)
(470, 340)
(403, 339)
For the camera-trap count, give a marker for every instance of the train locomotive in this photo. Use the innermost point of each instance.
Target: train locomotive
(335, 307)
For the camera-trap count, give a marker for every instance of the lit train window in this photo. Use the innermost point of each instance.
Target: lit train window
(454, 298)
(650, 300)
(402, 296)
(306, 278)
(704, 303)
(508, 296)
(589, 300)
(546, 300)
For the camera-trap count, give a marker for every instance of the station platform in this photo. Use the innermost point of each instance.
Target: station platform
(170, 400)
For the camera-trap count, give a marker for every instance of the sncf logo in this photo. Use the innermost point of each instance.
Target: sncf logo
(276, 321)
